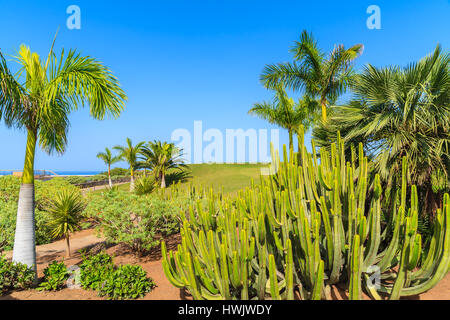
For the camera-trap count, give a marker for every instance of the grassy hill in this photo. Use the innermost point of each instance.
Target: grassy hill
(232, 177)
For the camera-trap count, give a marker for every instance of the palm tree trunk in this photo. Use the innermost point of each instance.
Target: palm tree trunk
(67, 246)
(163, 181)
(109, 176)
(24, 239)
(323, 102)
(132, 181)
(291, 141)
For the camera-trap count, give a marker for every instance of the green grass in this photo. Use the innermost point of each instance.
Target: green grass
(232, 177)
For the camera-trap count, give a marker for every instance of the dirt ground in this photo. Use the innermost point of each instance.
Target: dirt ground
(152, 264)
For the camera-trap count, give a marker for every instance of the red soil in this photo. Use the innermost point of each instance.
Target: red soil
(152, 264)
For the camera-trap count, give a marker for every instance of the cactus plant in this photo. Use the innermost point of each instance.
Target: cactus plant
(313, 223)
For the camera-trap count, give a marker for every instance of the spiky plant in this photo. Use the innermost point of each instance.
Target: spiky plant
(65, 213)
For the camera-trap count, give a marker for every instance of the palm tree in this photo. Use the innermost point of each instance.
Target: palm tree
(130, 154)
(109, 160)
(323, 77)
(65, 215)
(284, 112)
(401, 112)
(39, 99)
(160, 157)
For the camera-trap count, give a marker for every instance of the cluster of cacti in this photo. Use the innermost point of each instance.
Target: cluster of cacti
(315, 222)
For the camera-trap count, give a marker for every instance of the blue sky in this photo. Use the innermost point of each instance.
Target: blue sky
(181, 61)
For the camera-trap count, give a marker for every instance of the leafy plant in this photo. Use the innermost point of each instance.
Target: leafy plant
(94, 270)
(14, 276)
(136, 221)
(55, 276)
(144, 185)
(126, 282)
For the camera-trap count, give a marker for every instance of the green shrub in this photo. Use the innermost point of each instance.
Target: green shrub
(94, 270)
(14, 276)
(9, 196)
(126, 282)
(136, 221)
(118, 172)
(55, 276)
(144, 185)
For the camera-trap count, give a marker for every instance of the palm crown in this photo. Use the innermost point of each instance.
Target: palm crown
(284, 112)
(322, 77)
(160, 157)
(400, 112)
(129, 153)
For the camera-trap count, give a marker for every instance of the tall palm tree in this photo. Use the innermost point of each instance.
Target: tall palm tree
(284, 112)
(401, 112)
(109, 160)
(129, 153)
(65, 213)
(39, 99)
(323, 77)
(160, 157)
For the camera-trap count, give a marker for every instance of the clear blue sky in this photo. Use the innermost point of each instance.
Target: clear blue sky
(181, 61)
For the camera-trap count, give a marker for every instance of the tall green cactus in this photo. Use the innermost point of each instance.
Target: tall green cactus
(315, 222)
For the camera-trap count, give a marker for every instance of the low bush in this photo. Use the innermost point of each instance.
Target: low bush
(94, 270)
(136, 221)
(144, 185)
(55, 276)
(124, 282)
(14, 276)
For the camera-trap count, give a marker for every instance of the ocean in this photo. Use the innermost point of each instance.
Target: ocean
(62, 173)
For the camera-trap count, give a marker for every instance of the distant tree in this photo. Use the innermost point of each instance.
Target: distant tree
(284, 112)
(129, 153)
(109, 160)
(160, 157)
(322, 77)
(401, 112)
